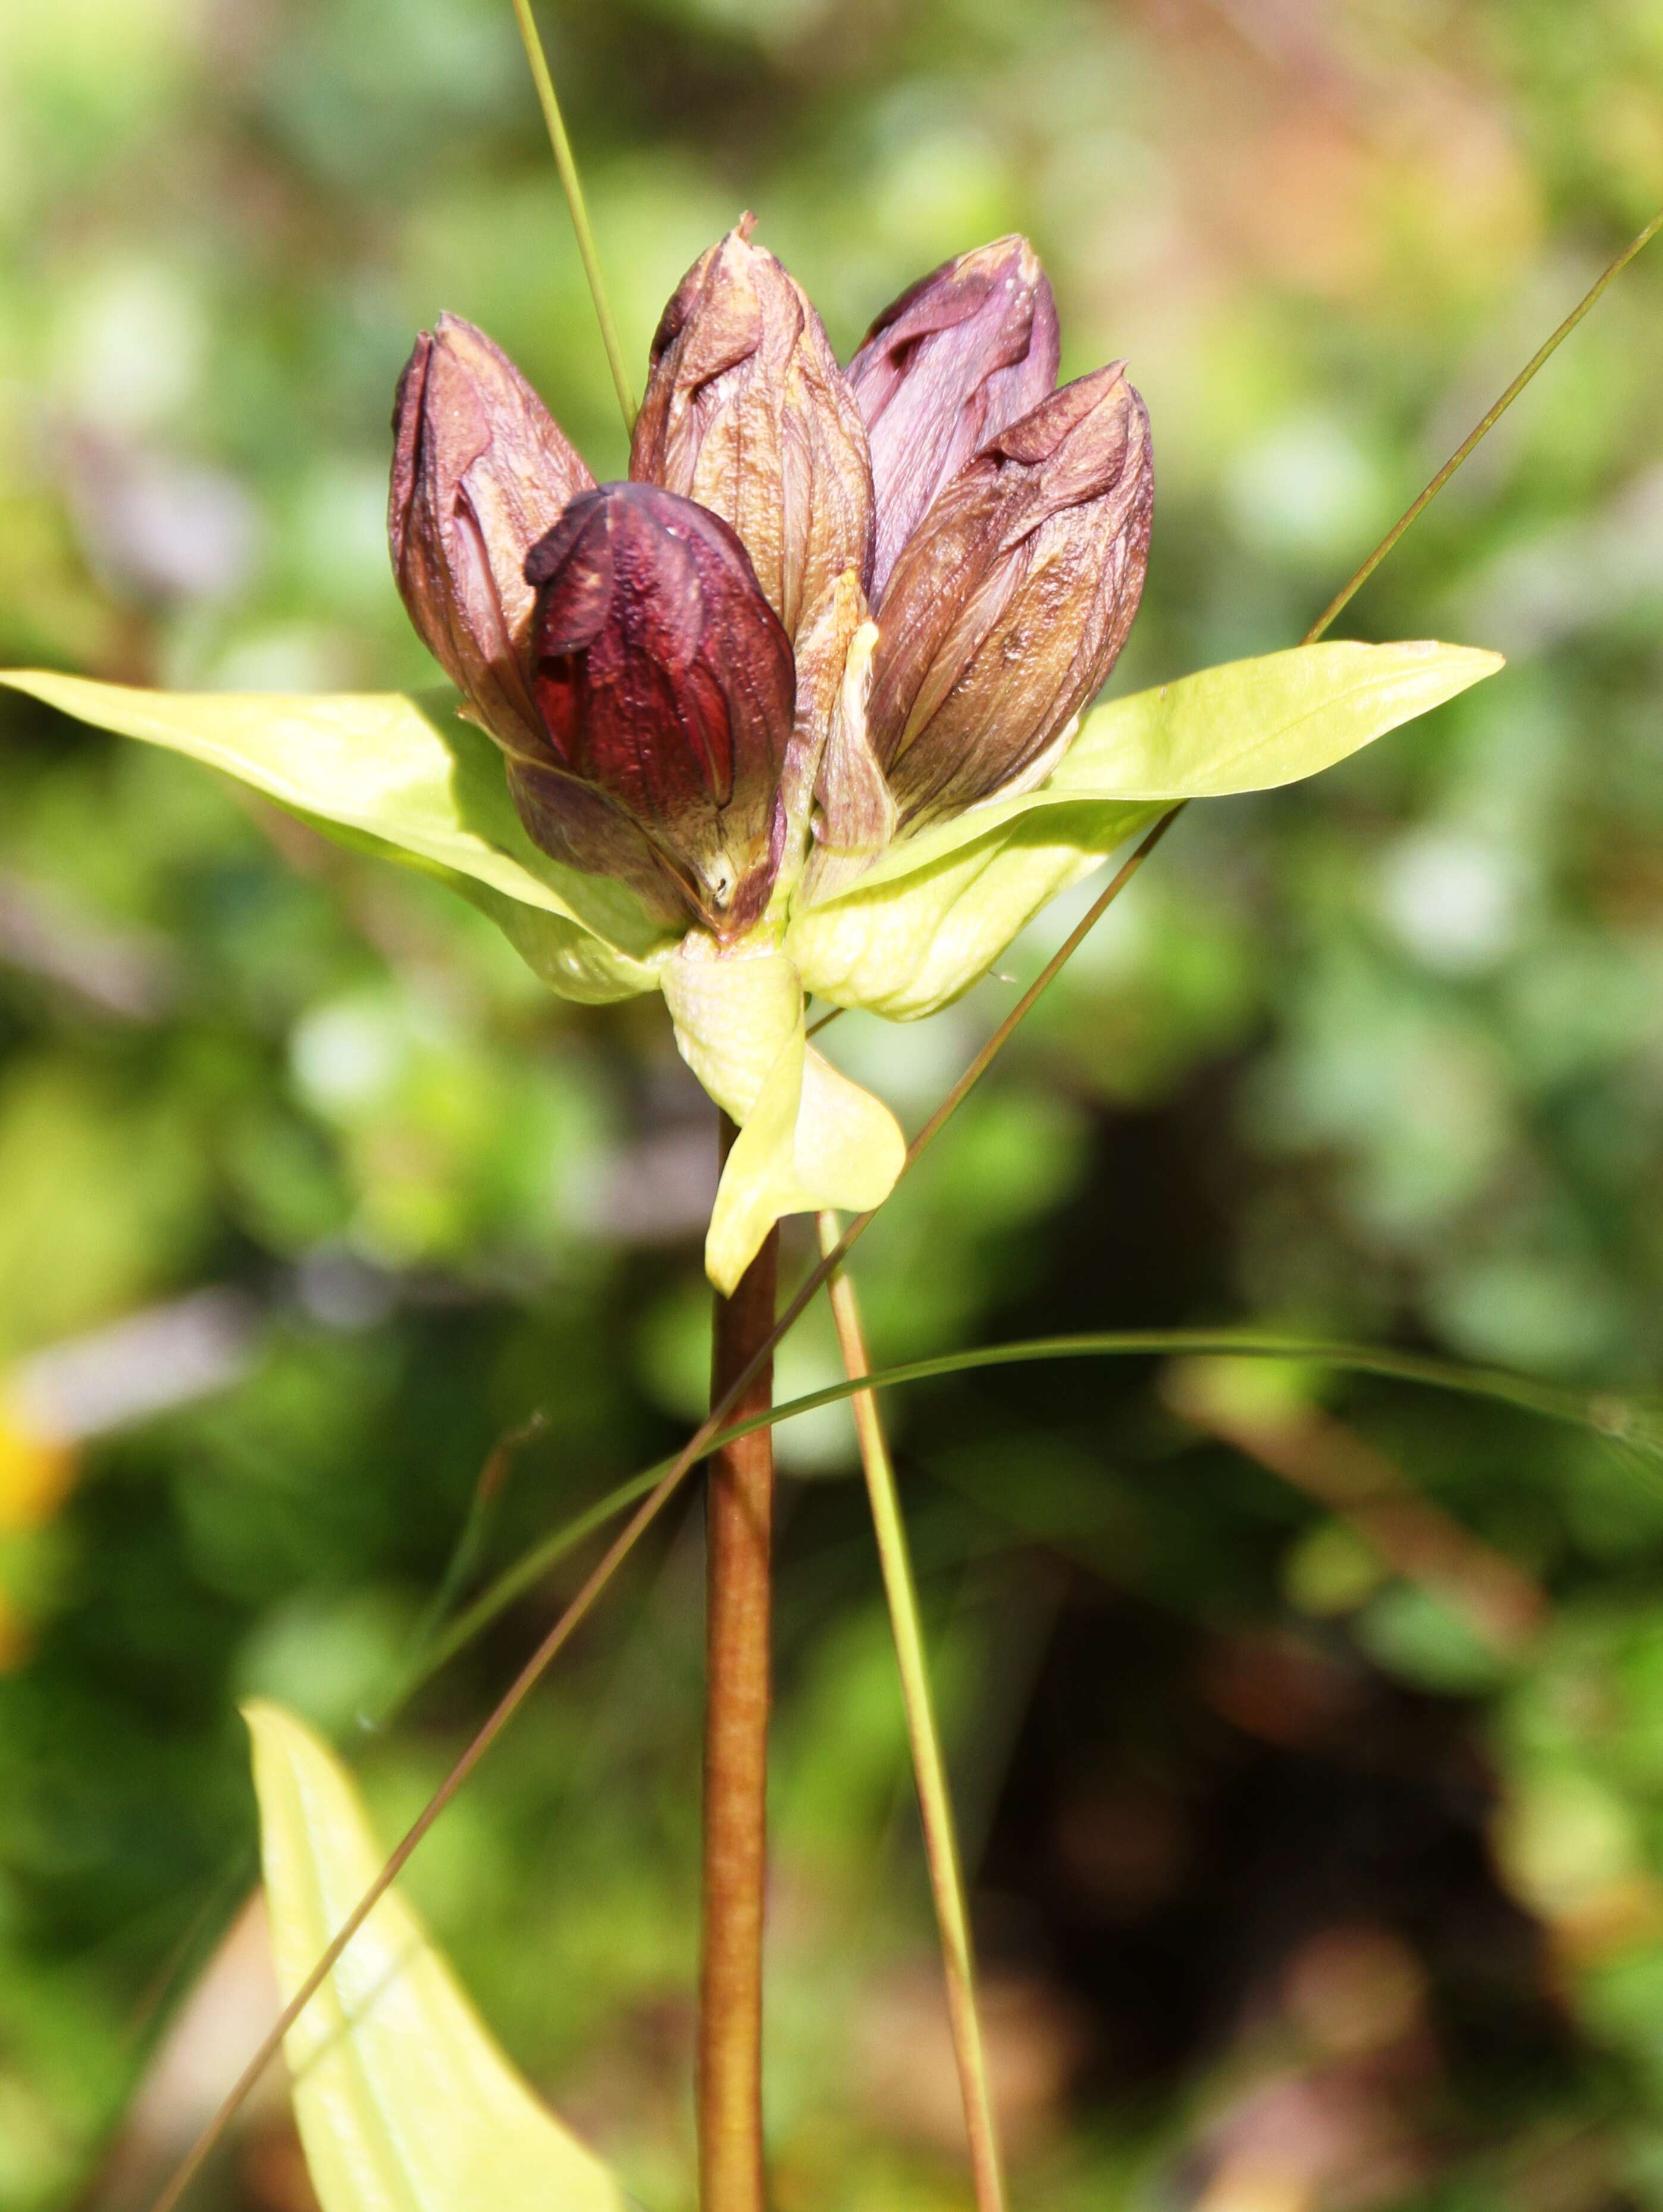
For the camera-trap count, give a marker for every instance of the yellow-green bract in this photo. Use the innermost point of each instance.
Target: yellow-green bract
(403, 775)
(403, 2102)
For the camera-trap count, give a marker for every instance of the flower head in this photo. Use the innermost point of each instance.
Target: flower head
(677, 668)
(798, 708)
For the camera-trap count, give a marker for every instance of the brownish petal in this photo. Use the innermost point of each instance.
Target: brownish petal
(855, 814)
(481, 470)
(832, 785)
(969, 349)
(747, 412)
(663, 680)
(1011, 603)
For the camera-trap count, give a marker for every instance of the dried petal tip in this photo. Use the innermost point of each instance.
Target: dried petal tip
(479, 472)
(747, 411)
(663, 685)
(967, 352)
(1011, 603)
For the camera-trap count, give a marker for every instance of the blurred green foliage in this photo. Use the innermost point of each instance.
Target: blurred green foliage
(1290, 1880)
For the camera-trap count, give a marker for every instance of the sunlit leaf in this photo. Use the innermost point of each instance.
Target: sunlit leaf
(403, 775)
(1245, 726)
(734, 1011)
(404, 2103)
(814, 1139)
(938, 908)
(913, 944)
(1252, 724)
(809, 1138)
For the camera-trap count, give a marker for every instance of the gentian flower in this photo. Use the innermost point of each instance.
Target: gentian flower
(796, 708)
(631, 647)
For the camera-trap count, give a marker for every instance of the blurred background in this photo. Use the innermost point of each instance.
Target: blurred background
(1308, 1732)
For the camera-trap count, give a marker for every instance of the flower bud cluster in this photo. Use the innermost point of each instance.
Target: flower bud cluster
(683, 669)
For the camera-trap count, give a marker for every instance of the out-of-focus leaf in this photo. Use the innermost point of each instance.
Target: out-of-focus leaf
(403, 2102)
(401, 775)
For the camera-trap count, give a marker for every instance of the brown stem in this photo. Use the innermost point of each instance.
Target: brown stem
(739, 1513)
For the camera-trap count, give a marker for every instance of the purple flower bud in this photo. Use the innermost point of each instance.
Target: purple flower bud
(479, 472)
(747, 411)
(1010, 602)
(969, 350)
(663, 685)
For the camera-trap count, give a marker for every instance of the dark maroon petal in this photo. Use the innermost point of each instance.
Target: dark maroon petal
(480, 471)
(970, 349)
(663, 680)
(578, 824)
(1010, 602)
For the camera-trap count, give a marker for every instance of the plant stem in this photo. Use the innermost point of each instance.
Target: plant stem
(935, 1802)
(739, 1515)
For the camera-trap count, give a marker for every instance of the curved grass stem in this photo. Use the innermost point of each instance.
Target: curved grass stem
(576, 206)
(1628, 1424)
(935, 1802)
(1482, 428)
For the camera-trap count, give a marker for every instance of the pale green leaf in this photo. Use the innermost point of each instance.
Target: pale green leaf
(1247, 726)
(404, 776)
(1254, 725)
(923, 849)
(734, 1008)
(937, 910)
(403, 2102)
(813, 1139)
(809, 1138)
(906, 947)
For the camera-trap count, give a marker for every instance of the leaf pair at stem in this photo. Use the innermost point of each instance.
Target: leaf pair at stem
(403, 775)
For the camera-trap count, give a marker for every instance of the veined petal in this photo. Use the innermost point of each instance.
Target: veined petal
(480, 471)
(747, 411)
(853, 813)
(965, 352)
(834, 675)
(1008, 604)
(663, 680)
